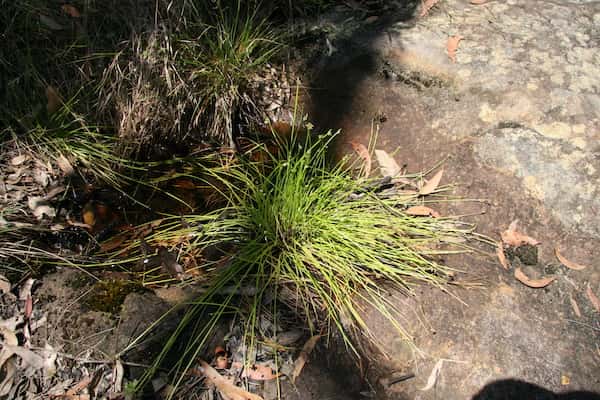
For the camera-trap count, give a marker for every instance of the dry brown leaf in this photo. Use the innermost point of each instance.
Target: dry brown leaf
(575, 306)
(478, 2)
(593, 298)
(532, 283)
(501, 256)
(54, 102)
(71, 10)
(422, 211)
(371, 19)
(452, 46)
(432, 184)
(227, 389)
(567, 263)
(387, 164)
(512, 237)
(65, 165)
(304, 356)
(18, 160)
(427, 5)
(363, 153)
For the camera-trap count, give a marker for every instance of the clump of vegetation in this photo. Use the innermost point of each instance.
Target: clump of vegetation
(312, 236)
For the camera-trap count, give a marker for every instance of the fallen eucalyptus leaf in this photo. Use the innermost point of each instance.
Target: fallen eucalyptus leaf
(363, 153)
(502, 256)
(4, 284)
(387, 165)
(452, 46)
(575, 306)
(432, 184)
(593, 298)
(512, 237)
(304, 356)
(567, 263)
(433, 377)
(422, 211)
(225, 387)
(533, 283)
(18, 160)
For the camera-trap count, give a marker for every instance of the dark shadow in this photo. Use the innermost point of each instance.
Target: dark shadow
(336, 78)
(512, 389)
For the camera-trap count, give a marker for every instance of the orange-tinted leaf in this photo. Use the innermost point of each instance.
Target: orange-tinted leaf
(363, 153)
(575, 306)
(593, 298)
(71, 10)
(432, 184)
(512, 237)
(426, 6)
(422, 211)
(388, 166)
(567, 263)
(501, 256)
(53, 100)
(452, 46)
(478, 2)
(533, 283)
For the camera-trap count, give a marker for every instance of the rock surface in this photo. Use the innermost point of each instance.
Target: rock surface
(518, 118)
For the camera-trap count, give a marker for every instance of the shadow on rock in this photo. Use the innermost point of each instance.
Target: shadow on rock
(512, 389)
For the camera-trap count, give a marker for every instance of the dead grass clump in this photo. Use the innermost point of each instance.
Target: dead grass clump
(145, 94)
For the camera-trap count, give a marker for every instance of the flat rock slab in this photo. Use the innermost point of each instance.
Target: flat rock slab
(517, 118)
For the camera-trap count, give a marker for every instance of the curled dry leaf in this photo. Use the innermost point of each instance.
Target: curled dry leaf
(593, 298)
(387, 165)
(304, 356)
(512, 237)
(227, 389)
(478, 2)
(532, 283)
(363, 153)
(502, 256)
(433, 377)
(427, 5)
(432, 184)
(567, 263)
(422, 211)
(575, 306)
(452, 46)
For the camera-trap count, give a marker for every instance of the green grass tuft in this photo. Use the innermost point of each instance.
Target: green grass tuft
(315, 237)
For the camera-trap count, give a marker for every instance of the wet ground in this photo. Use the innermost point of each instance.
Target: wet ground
(516, 118)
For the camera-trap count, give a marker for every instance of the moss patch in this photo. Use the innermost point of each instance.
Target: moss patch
(108, 295)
